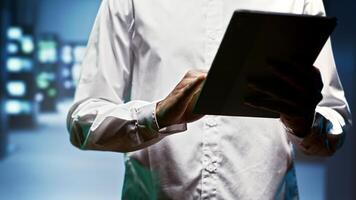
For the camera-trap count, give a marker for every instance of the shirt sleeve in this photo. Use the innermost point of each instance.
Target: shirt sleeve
(100, 119)
(333, 117)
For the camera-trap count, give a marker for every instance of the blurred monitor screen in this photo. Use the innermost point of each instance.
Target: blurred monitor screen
(17, 65)
(27, 44)
(52, 92)
(66, 73)
(12, 48)
(14, 33)
(68, 84)
(67, 57)
(16, 88)
(76, 73)
(45, 79)
(17, 107)
(47, 51)
(79, 52)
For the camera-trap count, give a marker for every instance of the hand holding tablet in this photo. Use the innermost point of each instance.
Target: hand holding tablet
(264, 66)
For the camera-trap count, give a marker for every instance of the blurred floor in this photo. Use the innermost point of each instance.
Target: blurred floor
(311, 180)
(44, 166)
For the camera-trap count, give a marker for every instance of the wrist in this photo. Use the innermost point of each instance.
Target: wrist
(298, 126)
(158, 115)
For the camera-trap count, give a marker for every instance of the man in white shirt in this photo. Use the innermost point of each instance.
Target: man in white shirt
(128, 100)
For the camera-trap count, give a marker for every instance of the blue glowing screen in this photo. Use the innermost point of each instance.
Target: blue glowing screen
(17, 107)
(17, 64)
(27, 44)
(14, 33)
(16, 88)
(47, 51)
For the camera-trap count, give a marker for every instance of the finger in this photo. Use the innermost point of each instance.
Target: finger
(189, 103)
(189, 90)
(280, 84)
(273, 106)
(194, 98)
(189, 116)
(195, 73)
(284, 92)
(180, 96)
(288, 66)
(202, 71)
(262, 96)
(296, 74)
(187, 80)
(280, 94)
(300, 103)
(292, 79)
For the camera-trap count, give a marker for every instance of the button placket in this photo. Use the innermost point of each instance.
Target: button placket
(210, 157)
(211, 122)
(213, 16)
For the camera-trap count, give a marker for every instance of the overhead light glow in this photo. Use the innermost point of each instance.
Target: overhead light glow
(79, 52)
(27, 44)
(65, 72)
(52, 92)
(16, 88)
(67, 57)
(14, 33)
(13, 107)
(47, 51)
(17, 107)
(68, 85)
(12, 48)
(27, 65)
(16, 64)
(44, 80)
(76, 73)
(39, 97)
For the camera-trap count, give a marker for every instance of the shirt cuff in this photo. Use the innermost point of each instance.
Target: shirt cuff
(335, 123)
(326, 123)
(146, 116)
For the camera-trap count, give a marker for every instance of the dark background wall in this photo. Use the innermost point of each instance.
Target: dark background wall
(341, 171)
(4, 20)
(75, 21)
(72, 20)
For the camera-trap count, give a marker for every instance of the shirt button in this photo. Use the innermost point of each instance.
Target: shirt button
(211, 122)
(211, 168)
(213, 35)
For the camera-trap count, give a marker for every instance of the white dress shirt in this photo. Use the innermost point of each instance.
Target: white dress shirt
(137, 52)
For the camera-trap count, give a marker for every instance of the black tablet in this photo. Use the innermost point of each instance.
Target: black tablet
(250, 41)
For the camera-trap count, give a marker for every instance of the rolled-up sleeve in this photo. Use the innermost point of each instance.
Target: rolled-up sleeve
(333, 117)
(100, 118)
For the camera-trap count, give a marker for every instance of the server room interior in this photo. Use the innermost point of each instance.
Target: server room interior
(42, 44)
